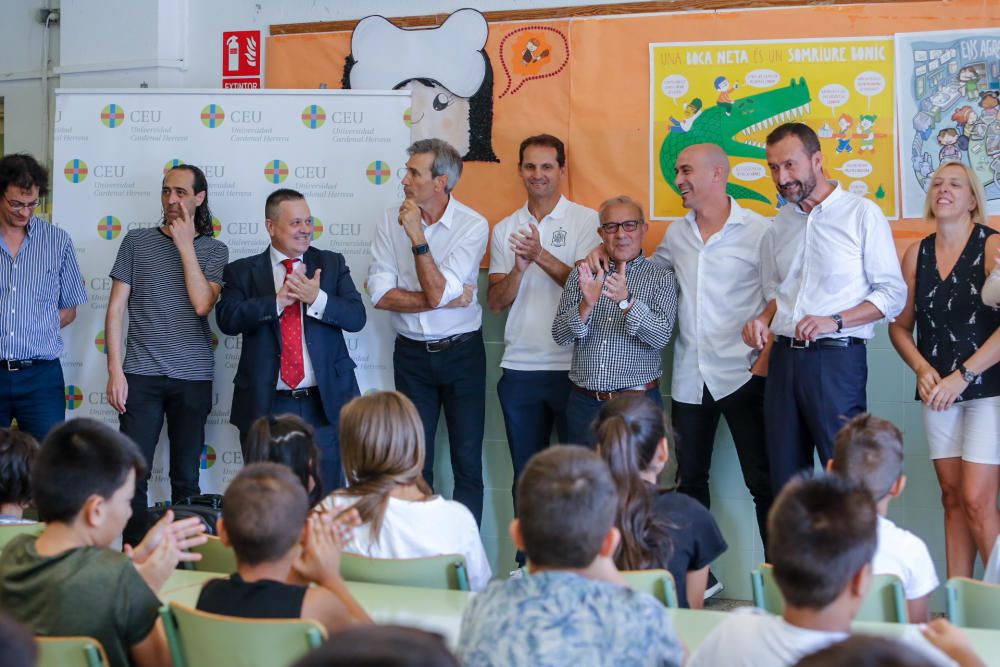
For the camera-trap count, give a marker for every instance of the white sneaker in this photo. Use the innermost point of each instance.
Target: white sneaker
(713, 587)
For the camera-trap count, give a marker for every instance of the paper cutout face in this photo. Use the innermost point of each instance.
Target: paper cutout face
(438, 113)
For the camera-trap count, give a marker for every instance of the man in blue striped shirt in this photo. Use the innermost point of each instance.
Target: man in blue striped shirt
(40, 288)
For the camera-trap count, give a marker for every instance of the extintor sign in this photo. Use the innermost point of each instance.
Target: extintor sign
(241, 58)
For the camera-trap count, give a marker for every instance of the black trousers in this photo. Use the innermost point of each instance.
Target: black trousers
(695, 426)
(186, 405)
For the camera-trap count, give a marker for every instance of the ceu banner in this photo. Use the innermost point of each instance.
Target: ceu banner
(341, 149)
(734, 93)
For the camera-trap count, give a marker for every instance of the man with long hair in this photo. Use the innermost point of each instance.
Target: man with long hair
(169, 277)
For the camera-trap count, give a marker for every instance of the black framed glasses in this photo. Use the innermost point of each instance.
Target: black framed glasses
(627, 225)
(18, 206)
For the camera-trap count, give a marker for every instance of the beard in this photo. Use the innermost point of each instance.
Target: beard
(804, 189)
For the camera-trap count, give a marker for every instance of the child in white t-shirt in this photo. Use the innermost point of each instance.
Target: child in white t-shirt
(869, 451)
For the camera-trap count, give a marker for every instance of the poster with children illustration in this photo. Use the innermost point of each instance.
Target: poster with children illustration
(734, 93)
(949, 94)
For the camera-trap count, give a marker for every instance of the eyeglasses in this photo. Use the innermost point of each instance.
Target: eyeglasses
(627, 225)
(18, 206)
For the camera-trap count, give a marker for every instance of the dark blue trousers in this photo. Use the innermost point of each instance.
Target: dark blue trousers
(809, 395)
(453, 379)
(34, 396)
(581, 416)
(327, 430)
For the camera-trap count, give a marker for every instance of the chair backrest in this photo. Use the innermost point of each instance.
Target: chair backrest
(9, 531)
(200, 639)
(973, 604)
(885, 602)
(70, 652)
(215, 557)
(446, 572)
(658, 583)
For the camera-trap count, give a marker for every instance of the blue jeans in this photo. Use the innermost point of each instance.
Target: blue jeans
(809, 395)
(533, 402)
(454, 379)
(34, 396)
(581, 415)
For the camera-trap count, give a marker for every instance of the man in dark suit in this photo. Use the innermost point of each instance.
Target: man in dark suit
(292, 304)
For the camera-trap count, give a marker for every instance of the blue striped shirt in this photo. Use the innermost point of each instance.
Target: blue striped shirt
(35, 285)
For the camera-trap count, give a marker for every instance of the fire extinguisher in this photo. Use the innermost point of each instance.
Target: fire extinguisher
(233, 44)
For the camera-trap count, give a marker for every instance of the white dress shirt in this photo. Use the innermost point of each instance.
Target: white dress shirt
(822, 263)
(316, 310)
(568, 233)
(719, 284)
(457, 242)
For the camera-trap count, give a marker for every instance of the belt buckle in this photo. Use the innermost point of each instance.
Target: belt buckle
(797, 344)
(12, 365)
(300, 393)
(608, 395)
(433, 346)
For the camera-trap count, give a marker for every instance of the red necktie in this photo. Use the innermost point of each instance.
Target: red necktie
(292, 368)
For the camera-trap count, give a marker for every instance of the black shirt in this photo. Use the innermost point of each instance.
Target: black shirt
(265, 598)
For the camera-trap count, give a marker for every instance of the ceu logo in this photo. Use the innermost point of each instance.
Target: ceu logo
(313, 116)
(100, 342)
(112, 116)
(378, 172)
(317, 228)
(74, 397)
(212, 116)
(172, 164)
(275, 171)
(408, 116)
(216, 227)
(75, 171)
(109, 227)
(207, 458)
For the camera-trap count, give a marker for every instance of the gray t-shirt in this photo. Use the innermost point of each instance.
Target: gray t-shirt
(166, 337)
(85, 591)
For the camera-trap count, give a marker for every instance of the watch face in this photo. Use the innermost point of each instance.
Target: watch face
(623, 304)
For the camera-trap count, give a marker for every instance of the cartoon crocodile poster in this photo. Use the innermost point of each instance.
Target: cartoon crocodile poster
(733, 94)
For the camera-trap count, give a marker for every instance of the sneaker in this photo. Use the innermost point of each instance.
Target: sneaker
(713, 586)
(517, 574)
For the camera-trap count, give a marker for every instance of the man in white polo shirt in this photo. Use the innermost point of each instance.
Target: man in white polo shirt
(532, 253)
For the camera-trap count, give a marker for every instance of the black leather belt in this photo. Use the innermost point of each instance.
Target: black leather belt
(797, 344)
(304, 392)
(21, 364)
(441, 344)
(608, 395)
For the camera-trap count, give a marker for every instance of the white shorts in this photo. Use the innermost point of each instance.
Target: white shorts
(969, 429)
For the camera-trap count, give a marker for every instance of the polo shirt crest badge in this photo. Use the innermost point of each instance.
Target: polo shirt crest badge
(559, 238)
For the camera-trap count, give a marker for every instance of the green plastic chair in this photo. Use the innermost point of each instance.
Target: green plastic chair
(885, 602)
(215, 557)
(9, 531)
(973, 604)
(658, 583)
(70, 652)
(199, 639)
(447, 572)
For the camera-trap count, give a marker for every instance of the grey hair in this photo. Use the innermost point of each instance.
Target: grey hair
(447, 161)
(621, 199)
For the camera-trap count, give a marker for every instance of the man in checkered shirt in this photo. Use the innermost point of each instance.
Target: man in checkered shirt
(617, 322)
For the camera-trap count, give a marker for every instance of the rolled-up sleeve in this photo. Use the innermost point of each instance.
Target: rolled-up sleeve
(567, 327)
(653, 322)
(881, 266)
(382, 273)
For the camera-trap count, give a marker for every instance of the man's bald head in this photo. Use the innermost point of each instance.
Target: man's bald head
(701, 172)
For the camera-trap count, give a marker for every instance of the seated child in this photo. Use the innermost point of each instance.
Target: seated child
(872, 651)
(381, 646)
(265, 519)
(868, 451)
(17, 452)
(659, 528)
(289, 440)
(67, 581)
(822, 534)
(382, 449)
(573, 608)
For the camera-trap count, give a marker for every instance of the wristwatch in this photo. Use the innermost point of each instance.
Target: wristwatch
(967, 375)
(624, 303)
(421, 249)
(839, 320)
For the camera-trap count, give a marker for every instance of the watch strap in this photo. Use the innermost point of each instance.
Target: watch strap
(967, 375)
(421, 249)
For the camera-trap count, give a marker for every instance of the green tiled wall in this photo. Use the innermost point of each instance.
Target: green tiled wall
(890, 395)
